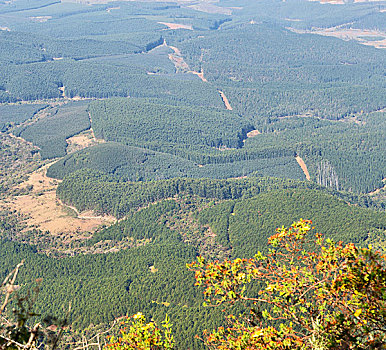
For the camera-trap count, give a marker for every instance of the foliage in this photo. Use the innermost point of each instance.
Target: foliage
(353, 149)
(245, 223)
(140, 164)
(50, 133)
(317, 294)
(16, 114)
(17, 159)
(93, 190)
(137, 334)
(138, 262)
(105, 286)
(135, 119)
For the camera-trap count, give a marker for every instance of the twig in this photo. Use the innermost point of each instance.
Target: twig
(13, 342)
(9, 290)
(33, 336)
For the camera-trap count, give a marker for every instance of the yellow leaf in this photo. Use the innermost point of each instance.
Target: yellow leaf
(358, 312)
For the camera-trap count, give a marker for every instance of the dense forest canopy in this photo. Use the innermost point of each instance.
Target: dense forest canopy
(160, 131)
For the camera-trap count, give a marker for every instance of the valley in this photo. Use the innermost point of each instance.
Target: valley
(136, 136)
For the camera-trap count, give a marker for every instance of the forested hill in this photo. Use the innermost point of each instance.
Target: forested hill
(244, 67)
(149, 273)
(138, 135)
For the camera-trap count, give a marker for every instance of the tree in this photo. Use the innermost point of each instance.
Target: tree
(139, 335)
(314, 294)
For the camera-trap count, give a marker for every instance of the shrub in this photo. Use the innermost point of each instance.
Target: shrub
(137, 334)
(315, 294)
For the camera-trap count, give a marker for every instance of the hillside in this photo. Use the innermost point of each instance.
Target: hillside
(138, 135)
(157, 241)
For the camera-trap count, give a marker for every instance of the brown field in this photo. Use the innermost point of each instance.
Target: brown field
(44, 211)
(253, 133)
(176, 25)
(304, 167)
(359, 35)
(81, 141)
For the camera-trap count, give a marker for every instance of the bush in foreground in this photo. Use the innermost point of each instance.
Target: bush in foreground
(315, 294)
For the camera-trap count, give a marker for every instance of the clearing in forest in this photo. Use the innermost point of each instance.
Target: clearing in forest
(177, 25)
(253, 133)
(304, 167)
(45, 212)
(82, 141)
(368, 37)
(181, 65)
(226, 101)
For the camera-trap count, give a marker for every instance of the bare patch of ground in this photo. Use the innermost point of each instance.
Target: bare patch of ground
(226, 101)
(253, 133)
(176, 25)
(43, 211)
(181, 65)
(81, 141)
(363, 36)
(304, 167)
(378, 190)
(199, 74)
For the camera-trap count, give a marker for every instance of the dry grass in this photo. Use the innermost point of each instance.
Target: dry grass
(363, 36)
(176, 25)
(304, 167)
(81, 141)
(44, 211)
(253, 133)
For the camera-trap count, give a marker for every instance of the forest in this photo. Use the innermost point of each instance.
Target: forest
(165, 131)
(149, 273)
